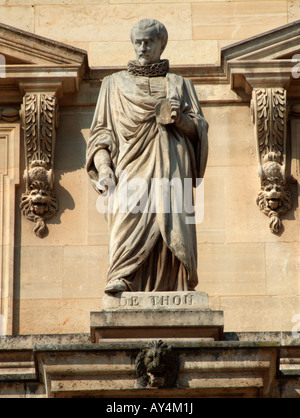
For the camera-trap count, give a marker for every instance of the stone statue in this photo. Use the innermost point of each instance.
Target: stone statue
(148, 125)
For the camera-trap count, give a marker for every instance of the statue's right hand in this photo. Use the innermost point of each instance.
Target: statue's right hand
(106, 178)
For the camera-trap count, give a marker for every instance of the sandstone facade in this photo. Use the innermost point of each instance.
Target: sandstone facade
(50, 285)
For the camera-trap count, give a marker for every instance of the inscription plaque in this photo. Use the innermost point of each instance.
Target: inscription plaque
(156, 300)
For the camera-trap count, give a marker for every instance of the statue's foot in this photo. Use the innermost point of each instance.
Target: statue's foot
(115, 286)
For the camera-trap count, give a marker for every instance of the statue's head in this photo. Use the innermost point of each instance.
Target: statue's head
(149, 38)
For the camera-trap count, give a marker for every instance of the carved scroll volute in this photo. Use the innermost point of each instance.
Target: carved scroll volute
(39, 116)
(269, 115)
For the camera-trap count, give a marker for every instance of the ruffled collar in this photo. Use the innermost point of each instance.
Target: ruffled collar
(158, 69)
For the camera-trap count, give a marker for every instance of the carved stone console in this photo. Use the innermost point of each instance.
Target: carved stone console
(265, 68)
(38, 73)
(39, 117)
(269, 115)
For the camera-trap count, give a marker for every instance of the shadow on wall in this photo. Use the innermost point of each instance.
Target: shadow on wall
(70, 152)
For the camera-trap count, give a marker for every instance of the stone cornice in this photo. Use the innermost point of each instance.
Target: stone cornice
(38, 61)
(279, 39)
(35, 49)
(40, 78)
(64, 368)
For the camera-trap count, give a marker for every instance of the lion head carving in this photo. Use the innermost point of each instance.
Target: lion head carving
(274, 199)
(38, 204)
(157, 366)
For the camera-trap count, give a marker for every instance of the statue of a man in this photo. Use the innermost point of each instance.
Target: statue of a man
(148, 124)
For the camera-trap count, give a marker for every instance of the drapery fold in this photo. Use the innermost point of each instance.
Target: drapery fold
(140, 148)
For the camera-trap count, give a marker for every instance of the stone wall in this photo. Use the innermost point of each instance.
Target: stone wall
(197, 29)
(248, 272)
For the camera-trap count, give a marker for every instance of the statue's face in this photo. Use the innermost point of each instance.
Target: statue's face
(147, 46)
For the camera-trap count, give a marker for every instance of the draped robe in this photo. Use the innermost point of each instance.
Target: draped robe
(149, 250)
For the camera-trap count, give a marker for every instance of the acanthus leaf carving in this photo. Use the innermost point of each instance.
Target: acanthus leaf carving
(39, 115)
(269, 112)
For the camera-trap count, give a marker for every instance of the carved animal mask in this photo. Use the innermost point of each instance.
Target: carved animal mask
(157, 366)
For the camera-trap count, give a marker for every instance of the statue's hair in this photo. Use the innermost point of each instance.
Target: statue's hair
(161, 31)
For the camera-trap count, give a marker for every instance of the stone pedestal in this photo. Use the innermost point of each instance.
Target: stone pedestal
(142, 315)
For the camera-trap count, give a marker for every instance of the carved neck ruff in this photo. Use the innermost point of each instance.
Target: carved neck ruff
(158, 69)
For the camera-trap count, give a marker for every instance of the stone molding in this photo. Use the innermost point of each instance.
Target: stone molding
(30, 48)
(264, 61)
(294, 119)
(40, 62)
(143, 324)
(9, 179)
(248, 369)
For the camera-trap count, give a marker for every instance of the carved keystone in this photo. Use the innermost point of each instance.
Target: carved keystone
(157, 366)
(269, 115)
(39, 117)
